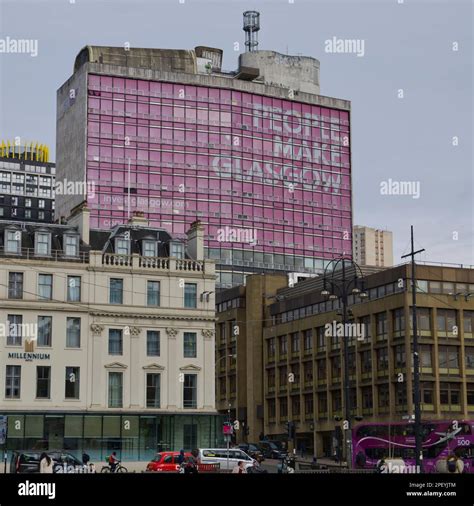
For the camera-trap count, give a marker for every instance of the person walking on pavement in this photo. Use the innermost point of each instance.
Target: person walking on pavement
(239, 468)
(454, 464)
(46, 464)
(180, 459)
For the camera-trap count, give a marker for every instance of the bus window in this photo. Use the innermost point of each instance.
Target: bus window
(466, 429)
(427, 429)
(433, 451)
(402, 430)
(372, 430)
(376, 453)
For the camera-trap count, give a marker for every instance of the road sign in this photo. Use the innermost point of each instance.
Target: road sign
(227, 429)
(3, 429)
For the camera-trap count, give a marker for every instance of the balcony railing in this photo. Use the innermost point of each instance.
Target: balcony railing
(152, 263)
(117, 260)
(189, 265)
(54, 256)
(113, 260)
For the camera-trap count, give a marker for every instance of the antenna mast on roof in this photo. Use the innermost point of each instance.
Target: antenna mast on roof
(251, 28)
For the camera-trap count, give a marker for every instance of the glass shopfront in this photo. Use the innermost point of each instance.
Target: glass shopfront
(133, 436)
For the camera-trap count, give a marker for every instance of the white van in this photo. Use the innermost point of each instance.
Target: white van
(219, 456)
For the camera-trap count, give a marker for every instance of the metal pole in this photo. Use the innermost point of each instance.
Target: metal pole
(128, 207)
(416, 364)
(416, 359)
(315, 442)
(5, 447)
(228, 438)
(346, 428)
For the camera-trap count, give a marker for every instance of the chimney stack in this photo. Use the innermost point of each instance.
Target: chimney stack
(195, 235)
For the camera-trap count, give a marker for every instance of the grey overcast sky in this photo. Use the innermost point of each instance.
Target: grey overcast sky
(409, 45)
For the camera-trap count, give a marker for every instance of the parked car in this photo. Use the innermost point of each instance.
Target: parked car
(29, 461)
(253, 450)
(227, 459)
(272, 450)
(166, 462)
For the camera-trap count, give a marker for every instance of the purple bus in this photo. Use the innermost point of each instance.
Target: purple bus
(372, 441)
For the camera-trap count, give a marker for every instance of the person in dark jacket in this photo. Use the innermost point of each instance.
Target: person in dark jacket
(180, 458)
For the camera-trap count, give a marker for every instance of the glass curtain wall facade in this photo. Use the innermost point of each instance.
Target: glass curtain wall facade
(270, 178)
(134, 437)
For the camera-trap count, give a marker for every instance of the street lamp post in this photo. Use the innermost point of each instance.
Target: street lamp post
(416, 361)
(229, 405)
(341, 287)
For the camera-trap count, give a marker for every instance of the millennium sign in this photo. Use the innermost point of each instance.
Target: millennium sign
(29, 356)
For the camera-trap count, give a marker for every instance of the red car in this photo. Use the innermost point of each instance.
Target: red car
(166, 462)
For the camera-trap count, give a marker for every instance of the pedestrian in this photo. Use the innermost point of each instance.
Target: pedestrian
(261, 437)
(381, 466)
(454, 464)
(360, 460)
(239, 468)
(46, 463)
(190, 467)
(180, 458)
(314, 463)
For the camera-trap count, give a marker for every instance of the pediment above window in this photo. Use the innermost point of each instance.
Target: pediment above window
(190, 367)
(153, 367)
(116, 365)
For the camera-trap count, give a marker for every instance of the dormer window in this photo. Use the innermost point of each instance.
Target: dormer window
(13, 241)
(149, 248)
(176, 249)
(122, 246)
(71, 245)
(42, 243)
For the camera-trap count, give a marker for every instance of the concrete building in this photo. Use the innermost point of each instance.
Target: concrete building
(372, 246)
(256, 154)
(241, 312)
(27, 183)
(107, 338)
(295, 369)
